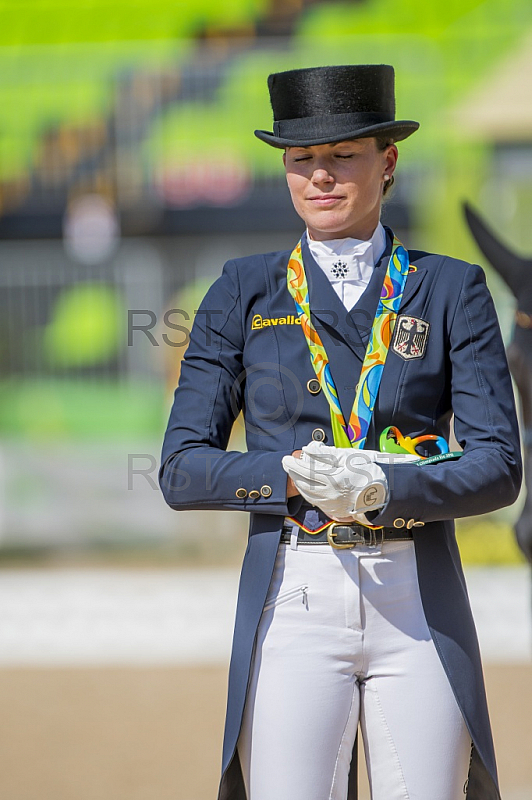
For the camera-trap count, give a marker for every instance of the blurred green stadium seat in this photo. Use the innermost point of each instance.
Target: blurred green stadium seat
(38, 22)
(439, 51)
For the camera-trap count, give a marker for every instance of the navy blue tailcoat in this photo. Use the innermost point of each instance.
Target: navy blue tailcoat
(248, 352)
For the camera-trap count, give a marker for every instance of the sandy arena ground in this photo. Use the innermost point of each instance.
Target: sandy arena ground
(113, 682)
(155, 733)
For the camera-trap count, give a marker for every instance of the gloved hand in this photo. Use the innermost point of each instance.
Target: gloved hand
(343, 482)
(341, 491)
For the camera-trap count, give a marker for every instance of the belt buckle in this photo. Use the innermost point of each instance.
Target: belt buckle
(331, 536)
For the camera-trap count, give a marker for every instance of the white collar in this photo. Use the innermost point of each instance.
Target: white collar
(348, 258)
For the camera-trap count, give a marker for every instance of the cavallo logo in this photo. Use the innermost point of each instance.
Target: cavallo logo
(258, 322)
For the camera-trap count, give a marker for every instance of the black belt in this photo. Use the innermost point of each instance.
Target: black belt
(342, 536)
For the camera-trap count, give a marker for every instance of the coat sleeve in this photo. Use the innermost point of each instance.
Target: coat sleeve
(488, 475)
(197, 472)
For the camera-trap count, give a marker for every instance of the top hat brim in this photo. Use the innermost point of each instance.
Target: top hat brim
(397, 130)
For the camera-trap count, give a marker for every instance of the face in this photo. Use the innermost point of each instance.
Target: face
(337, 188)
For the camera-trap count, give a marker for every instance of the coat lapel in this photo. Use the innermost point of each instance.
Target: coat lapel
(363, 312)
(338, 327)
(327, 310)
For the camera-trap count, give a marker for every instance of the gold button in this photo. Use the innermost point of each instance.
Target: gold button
(265, 490)
(254, 494)
(410, 524)
(419, 524)
(241, 492)
(313, 385)
(318, 434)
(399, 523)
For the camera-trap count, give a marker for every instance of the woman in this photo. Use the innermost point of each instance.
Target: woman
(347, 355)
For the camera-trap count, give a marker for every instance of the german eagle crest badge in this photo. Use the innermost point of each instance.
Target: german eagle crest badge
(410, 337)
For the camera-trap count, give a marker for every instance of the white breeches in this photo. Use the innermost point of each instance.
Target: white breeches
(343, 639)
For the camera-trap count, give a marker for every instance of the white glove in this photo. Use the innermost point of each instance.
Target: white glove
(343, 482)
(340, 491)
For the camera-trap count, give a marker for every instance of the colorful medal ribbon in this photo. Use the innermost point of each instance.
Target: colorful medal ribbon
(355, 432)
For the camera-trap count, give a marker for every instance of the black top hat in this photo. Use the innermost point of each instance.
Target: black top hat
(330, 104)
